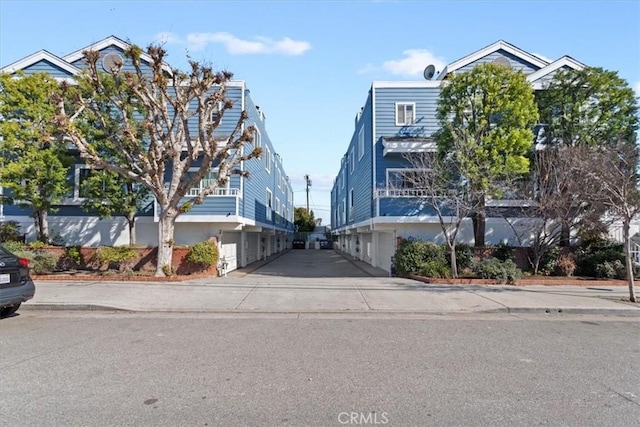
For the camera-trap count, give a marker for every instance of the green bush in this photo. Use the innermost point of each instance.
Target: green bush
(203, 253)
(43, 262)
(71, 258)
(13, 246)
(10, 231)
(597, 258)
(504, 252)
(435, 269)
(493, 268)
(549, 260)
(464, 255)
(116, 257)
(412, 254)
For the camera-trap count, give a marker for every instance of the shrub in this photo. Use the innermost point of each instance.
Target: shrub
(118, 257)
(592, 256)
(71, 258)
(411, 255)
(435, 269)
(504, 252)
(566, 265)
(10, 231)
(203, 253)
(493, 268)
(37, 245)
(464, 255)
(43, 262)
(549, 260)
(13, 246)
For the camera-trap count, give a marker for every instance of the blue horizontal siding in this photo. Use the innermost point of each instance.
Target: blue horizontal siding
(217, 205)
(44, 66)
(406, 206)
(517, 64)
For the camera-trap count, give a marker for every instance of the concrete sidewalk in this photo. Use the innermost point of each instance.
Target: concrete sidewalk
(325, 282)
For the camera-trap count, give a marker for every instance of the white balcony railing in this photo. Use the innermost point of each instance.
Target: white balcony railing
(401, 192)
(216, 192)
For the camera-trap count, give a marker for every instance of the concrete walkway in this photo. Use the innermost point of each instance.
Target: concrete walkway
(324, 281)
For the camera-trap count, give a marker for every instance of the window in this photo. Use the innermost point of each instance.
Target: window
(352, 161)
(267, 159)
(257, 137)
(405, 113)
(269, 205)
(215, 113)
(278, 178)
(351, 204)
(82, 173)
(398, 179)
(361, 143)
(210, 178)
(344, 177)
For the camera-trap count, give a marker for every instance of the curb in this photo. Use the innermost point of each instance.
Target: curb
(623, 312)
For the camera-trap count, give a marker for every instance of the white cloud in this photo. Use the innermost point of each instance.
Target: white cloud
(413, 63)
(237, 46)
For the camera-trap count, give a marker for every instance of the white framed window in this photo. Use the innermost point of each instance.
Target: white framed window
(257, 137)
(277, 206)
(269, 204)
(352, 161)
(267, 159)
(215, 113)
(361, 143)
(405, 113)
(344, 177)
(278, 178)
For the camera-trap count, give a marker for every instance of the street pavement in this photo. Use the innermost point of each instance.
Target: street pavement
(325, 281)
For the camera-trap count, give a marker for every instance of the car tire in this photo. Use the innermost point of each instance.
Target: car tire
(8, 311)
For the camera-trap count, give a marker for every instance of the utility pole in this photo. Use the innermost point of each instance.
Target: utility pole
(308, 181)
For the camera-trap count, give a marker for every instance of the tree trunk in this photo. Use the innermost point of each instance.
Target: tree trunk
(42, 226)
(565, 235)
(479, 218)
(454, 261)
(628, 260)
(165, 241)
(479, 226)
(131, 221)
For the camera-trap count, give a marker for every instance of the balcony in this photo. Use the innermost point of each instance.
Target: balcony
(216, 192)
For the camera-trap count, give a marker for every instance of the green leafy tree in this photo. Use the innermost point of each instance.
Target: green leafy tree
(33, 162)
(591, 107)
(593, 115)
(157, 127)
(304, 221)
(486, 118)
(110, 194)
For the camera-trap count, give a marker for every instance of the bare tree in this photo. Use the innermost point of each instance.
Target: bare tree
(615, 169)
(437, 182)
(156, 126)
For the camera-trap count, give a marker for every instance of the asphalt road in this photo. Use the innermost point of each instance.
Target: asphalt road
(99, 369)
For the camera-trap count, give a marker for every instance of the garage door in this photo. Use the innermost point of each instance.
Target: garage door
(386, 249)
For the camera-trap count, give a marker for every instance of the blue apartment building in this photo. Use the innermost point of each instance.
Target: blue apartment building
(252, 217)
(371, 207)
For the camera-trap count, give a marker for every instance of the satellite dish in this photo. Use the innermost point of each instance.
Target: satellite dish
(112, 62)
(429, 72)
(502, 61)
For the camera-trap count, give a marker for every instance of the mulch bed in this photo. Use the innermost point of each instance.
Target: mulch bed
(525, 281)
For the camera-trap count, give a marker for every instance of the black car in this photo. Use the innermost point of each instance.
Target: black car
(16, 285)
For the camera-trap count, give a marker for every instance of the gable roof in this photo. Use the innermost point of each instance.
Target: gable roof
(41, 55)
(565, 61)
(499, 45)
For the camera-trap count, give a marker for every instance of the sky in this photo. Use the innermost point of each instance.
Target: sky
(309, 64)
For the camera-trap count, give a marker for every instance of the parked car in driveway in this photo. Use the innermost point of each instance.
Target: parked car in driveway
(16, 285)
